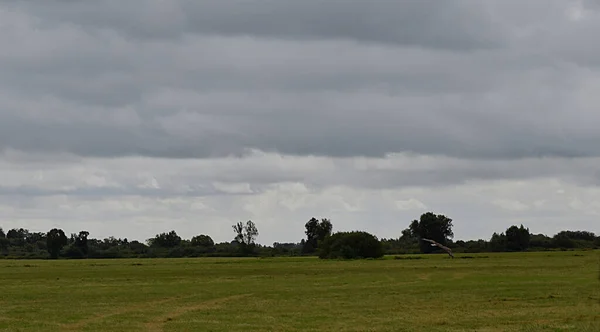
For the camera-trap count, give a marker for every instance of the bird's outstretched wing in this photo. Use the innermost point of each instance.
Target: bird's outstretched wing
(439, 245)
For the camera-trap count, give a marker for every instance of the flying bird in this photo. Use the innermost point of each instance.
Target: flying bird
(439, 245)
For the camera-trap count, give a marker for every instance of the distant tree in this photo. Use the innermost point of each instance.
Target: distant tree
(574, 239)
(81, 242)
(202, 244)
(291, 249)
(35, 237)
(245, 235)
(4, 243)
(16, 233)
(432, 226)
(351, 245)
(315, 232)
(71, 251)
(17, 237)
(517, 238)
(165, 240)
(405, 244)
(137, 247)
(498, 242)
(112, 241)
(408, 239)
(55, 241)
(202, 241)
(579, 235)
(475, 246)
(540, 241)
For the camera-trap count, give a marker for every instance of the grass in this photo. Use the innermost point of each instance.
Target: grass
(558, 291)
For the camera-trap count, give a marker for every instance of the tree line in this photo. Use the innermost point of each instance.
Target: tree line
(319, 240)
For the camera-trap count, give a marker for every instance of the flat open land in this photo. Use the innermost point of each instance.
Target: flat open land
(544, 291)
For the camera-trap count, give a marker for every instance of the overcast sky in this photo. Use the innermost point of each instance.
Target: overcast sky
(130, 118)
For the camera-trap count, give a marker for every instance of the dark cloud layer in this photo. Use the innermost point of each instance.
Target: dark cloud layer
(198, 79)
(458, 25)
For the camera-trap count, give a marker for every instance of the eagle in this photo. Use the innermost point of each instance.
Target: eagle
(439, 245)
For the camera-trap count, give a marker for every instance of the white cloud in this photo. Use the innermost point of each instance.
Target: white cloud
(410, 204)
(208, 196)
(511, 205)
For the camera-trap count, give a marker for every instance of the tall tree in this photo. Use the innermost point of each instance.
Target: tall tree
(4, 242)
(316, 232)
(81, 242)
(245, 235)
(517, 238)
(55, 241)
(498, 242)
(432, 226)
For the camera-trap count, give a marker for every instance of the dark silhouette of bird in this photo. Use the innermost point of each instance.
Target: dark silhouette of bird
(439, 245)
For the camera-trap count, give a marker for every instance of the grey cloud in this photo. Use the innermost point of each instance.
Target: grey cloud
(456, 25)
(103, 192)
(443, 172)
(88, 78)
(32, 191)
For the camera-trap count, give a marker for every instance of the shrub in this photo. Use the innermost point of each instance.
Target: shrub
(350, 245)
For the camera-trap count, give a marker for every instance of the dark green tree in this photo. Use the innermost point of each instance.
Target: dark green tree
(165, 240)
(575, 239)
(35, 237)
(4, 243)
(498, 242)
(517, 238)
(540, 241)
(17, 233)
(351, 245)
(17, 236)
(202, 244)
(202, 241)
(288, 249)
(407, 238)
(315, 232)
(579, 235)
(55, 241)
(81, 242)
(432, 226)
(563, 240)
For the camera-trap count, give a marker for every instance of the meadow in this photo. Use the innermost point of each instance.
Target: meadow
(540, 291)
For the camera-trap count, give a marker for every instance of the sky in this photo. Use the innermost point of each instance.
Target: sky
(132, 118)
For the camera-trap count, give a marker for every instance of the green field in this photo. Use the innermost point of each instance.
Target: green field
(558, 291)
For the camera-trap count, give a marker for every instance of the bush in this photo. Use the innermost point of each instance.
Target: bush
(350, 245)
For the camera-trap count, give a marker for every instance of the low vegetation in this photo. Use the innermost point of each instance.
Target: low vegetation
(351, 245)
(319, 240)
